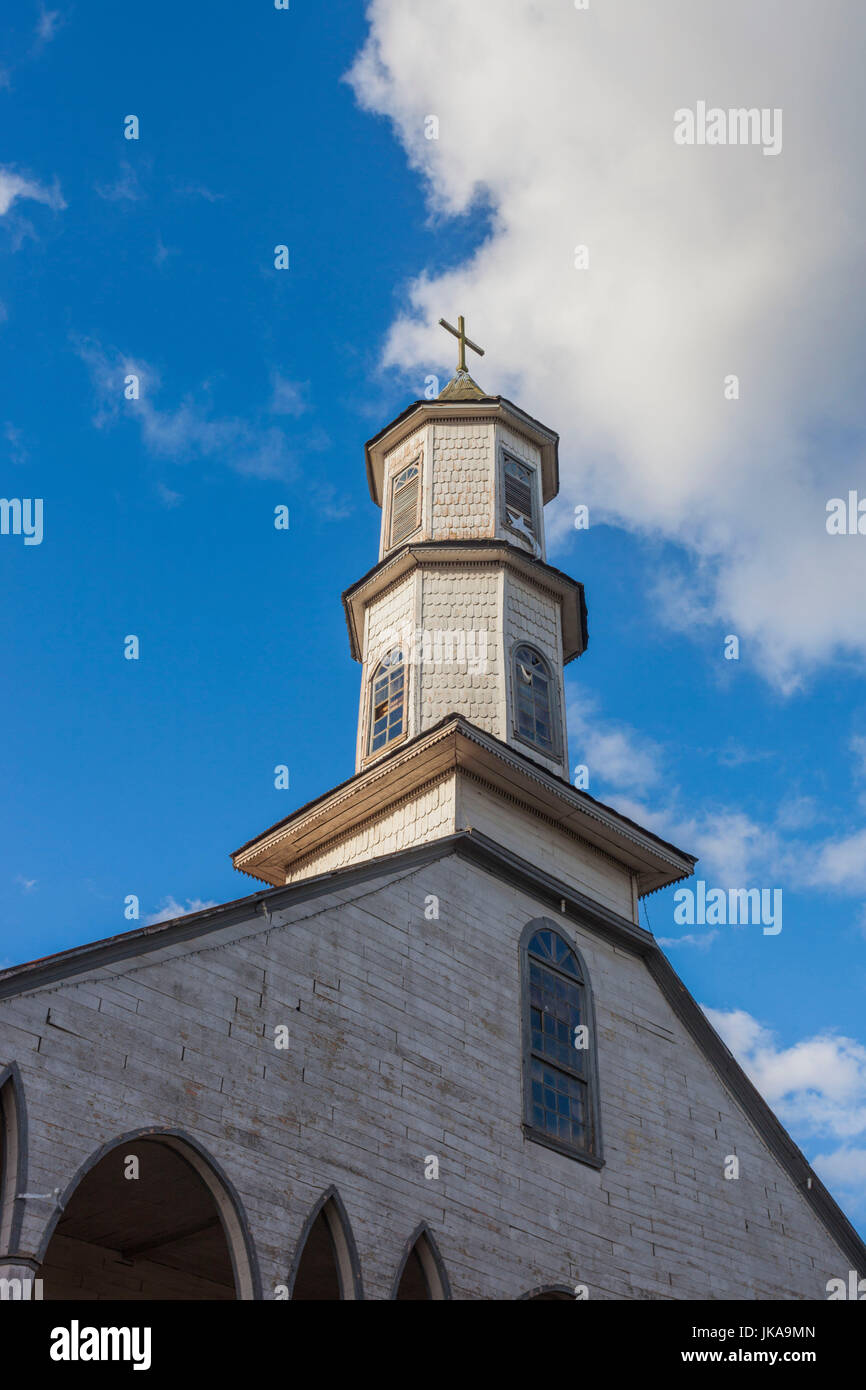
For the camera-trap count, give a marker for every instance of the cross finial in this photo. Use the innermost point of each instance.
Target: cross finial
(460, 334)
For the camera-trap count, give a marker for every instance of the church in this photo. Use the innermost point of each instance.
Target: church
(433, 1054)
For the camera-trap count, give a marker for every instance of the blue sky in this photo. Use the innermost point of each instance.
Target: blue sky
(260, 388)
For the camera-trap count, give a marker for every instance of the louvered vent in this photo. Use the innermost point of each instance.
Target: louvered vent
(405, 497)
(518, 493)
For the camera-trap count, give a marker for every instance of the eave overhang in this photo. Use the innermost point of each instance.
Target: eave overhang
(419, 412)
(456, 745)
(428, 554)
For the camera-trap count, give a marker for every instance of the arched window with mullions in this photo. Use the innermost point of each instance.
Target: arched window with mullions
(561, 1108)
(534, 700)
(387, 719)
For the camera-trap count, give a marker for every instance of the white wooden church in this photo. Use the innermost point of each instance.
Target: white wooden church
(433, 1054)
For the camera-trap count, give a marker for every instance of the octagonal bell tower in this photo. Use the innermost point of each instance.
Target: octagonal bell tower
(462, 614)
(463, 629)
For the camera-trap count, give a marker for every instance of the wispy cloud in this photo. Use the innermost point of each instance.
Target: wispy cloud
(187, 431)
(615, 754)
(168, 497)
(15, 440)
(198, 190)
(163, 252)
(14, 185)
(48, 24)
(171, 908)
(732, 845)
(700, 943)
(126, 187)
(288, 397)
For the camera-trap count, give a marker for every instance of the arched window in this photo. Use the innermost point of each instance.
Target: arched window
(326, 1264)
(387, 702)
(560, 1072)
(421, 1274)
(534, 699)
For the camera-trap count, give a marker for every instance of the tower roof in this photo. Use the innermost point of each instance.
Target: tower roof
(461, 387)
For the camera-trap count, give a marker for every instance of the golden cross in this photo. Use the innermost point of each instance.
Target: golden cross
(460, 334)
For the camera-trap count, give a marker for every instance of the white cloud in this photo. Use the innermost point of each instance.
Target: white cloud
(840, 864)
(858, 748)
(817, 1085)
(732, 847)
(700, 943)
(615, 754)
(704, 261)
(14, 185)
(172, 908)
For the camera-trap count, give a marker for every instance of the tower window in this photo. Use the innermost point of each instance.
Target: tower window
(533, 699)
(387, 701)
(519, 494)
(405, 503)
(561, 1087)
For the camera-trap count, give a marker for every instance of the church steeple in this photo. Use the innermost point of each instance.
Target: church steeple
(462, 630)
(462, 614)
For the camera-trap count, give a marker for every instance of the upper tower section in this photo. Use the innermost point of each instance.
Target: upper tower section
(463, 466)
(462, 613)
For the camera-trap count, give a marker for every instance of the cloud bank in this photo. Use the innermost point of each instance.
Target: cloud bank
(703, 262)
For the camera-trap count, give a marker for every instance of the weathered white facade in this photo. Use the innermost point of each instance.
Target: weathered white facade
(317, 1080)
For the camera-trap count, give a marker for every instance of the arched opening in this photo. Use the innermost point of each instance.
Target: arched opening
(421, 1274)
(326, 1265)
(12, 1147)
(149, 1217)
(549, 1293)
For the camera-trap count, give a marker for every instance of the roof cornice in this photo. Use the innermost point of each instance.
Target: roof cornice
(456, 745)
(483, 551)
(495, 407)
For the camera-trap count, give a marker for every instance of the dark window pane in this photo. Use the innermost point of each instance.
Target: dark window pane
(559, 1104)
